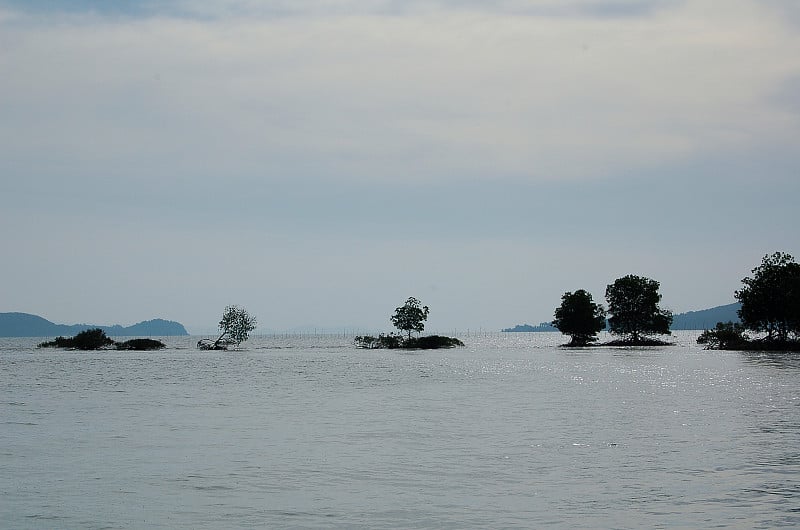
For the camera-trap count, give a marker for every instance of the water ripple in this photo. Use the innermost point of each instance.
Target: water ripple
(510, 431)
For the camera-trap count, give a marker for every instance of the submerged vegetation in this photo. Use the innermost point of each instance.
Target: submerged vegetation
(96, 339)
(382, 341)
(431, 342)
(393, 341)
(140, 344)
(770, 307)
(733, 336)
(725, 336)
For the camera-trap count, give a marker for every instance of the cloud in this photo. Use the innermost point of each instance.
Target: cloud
(439, 95)
(99, 7)
(787, 10)
(215, 9)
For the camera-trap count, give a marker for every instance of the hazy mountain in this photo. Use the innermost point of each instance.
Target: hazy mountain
(703, 319)
(27, 325)
(706, 318)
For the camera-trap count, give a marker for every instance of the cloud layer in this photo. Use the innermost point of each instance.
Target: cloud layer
(435, 94)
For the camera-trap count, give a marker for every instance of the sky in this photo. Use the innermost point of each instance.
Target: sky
(317, 162)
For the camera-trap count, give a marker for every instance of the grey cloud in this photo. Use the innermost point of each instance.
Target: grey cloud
(548, 8)
(347, 102)
(100, 7)
(787, 96)
(789, 10)
(282, 8)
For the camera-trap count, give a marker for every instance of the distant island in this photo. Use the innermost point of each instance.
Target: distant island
(27, 325)
(703, 319)
(527, 328)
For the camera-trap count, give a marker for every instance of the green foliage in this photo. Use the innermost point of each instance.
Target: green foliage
(771, 298)
(58, 342)
(141, 345)
(579, 317)
(732, 336)
(410, 317)
(725, 336)
(382, 341)
(633, 304)
(431, 342)
(393, 341)
(235, 326)
(365, 341)
(96, 339)
(90, 339)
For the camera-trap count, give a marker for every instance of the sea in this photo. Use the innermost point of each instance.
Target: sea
(308, 431)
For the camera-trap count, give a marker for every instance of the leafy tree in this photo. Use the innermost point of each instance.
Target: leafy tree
(579, 317)
(633, 304)
(235, 327)
(771, 298)
(236, 324)
(410, 317)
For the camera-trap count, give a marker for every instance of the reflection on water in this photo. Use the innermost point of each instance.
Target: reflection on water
(306, 431)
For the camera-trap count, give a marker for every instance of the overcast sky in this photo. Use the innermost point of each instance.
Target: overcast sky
(319, 161)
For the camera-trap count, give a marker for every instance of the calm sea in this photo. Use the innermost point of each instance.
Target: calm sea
(308, 432)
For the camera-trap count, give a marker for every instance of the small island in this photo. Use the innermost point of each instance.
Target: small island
(635, 314)
(394, 341)
(408, 317)
(96, 339)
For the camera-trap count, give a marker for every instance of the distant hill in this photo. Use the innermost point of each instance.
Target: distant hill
(703, 319)
(706, 318)
(521, 328)
(27, 325)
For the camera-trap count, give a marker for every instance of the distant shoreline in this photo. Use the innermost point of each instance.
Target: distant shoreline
(688, 321)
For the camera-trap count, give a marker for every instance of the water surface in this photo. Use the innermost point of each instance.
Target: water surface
(309, 432)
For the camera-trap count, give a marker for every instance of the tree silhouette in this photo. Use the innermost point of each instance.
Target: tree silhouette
(633, 304)
(579, 317)
(235, 327)
(771, 298)
(410, 317)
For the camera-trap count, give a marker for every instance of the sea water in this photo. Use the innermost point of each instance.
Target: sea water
(309, 432)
